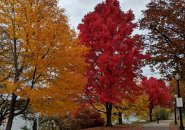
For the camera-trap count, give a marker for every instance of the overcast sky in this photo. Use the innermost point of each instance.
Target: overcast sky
(76, 9)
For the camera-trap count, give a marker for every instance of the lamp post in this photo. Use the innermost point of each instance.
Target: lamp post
(175, 111)
(177, 77)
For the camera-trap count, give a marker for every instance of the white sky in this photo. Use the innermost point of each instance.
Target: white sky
(76, 9)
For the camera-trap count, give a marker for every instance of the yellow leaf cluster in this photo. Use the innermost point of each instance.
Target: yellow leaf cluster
(139, 107)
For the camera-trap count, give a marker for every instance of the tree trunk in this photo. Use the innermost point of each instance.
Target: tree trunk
(11, 113)
(120, 118)
(34, 127)
(109, 114)
(1, 120)
(150, 114)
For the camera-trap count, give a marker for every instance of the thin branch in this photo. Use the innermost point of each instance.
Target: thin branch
(21, 111)
(96, 108)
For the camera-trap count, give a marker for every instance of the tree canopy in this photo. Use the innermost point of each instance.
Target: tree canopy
(41, 63)
(157, 92)
(165, 40)
(115, 56)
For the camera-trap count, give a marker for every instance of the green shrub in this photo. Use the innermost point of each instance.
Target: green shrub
(163, 113)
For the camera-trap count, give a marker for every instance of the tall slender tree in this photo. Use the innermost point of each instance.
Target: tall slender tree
(157, 92)
(115, 55)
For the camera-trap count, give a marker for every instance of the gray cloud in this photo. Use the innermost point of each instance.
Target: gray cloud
(76, 9)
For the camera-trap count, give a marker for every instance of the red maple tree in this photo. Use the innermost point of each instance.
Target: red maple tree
(115, 55)
(158, 93)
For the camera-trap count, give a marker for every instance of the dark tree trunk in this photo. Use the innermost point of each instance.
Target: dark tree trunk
(13, 100)
(34, 127)
(11, 113)
(150, 114)
(120, 118)
(109, 114)
(1, 120)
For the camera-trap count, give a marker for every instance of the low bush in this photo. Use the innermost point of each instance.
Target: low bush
(88, 117)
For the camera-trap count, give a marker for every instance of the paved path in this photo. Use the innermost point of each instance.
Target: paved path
(162, 125)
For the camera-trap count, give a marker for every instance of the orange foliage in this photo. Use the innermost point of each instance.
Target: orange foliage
(47, 59)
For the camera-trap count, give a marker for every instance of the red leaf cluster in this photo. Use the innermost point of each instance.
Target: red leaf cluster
(88, 117)
(115, 56)
(157, 91)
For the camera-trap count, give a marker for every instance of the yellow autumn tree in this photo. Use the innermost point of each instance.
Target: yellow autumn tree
(138, 108)
(41, 62)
